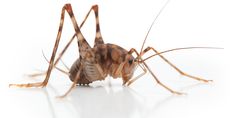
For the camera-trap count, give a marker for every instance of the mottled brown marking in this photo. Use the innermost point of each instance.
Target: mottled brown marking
(102, 60)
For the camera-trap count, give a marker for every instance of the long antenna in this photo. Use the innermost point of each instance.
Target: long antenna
(59, 69)
(184, 48)
(153, 24)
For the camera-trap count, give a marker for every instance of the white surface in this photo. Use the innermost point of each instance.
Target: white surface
(27, 27)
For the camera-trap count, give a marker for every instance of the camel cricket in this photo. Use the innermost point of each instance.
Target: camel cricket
(97, 62)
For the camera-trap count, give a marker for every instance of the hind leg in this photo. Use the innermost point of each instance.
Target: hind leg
(67, 7)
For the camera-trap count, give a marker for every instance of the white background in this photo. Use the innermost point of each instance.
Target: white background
(27, 27)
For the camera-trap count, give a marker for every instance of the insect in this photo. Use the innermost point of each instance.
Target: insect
(97, 62)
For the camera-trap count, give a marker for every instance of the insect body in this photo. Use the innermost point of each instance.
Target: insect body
(109, 59)
(97, 62)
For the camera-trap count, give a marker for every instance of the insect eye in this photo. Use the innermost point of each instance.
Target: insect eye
(130, 61)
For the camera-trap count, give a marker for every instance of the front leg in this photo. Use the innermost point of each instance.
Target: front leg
(145, 67)
(173, 66)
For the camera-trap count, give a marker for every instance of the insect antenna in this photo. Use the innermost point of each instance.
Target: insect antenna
(63, 63)
(59, 69)
(176, 49)
(152, 25)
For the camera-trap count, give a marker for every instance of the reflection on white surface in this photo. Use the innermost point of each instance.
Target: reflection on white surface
(113, 101)
(103, 102)
(100, 103)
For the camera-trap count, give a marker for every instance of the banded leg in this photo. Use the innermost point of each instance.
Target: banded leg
(154, 76)
(51, 64)
(172, 65)
(98, 38)
(81, 42)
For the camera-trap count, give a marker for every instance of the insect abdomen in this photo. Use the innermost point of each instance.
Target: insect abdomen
(87, 73)
(74, 71)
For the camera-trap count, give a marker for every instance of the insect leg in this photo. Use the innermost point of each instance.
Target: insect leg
(172, 65)
(81, 41)
(159, 82)
(132, 50)
(154, 76)
(73, 85)
(138, 76)
(98, 38)
(51, 64)
(98, 34)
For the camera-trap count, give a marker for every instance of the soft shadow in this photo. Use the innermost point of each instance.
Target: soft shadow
(103, 102)
(106, 102)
